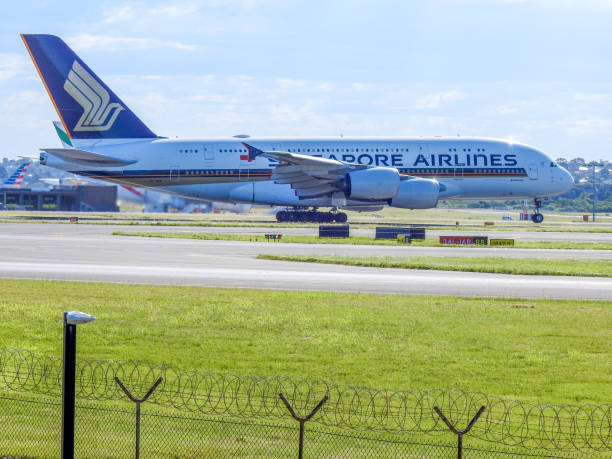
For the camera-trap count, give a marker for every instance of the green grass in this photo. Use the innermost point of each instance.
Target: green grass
(500, 265)
(546, 350)
(361, 240)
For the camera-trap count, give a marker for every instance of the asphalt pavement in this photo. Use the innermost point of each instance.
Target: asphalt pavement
(91, 253)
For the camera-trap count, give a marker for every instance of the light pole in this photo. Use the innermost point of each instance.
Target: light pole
(71, 320)
(594, 165)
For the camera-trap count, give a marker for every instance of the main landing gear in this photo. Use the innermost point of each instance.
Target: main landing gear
(310, 216)
(537, 217)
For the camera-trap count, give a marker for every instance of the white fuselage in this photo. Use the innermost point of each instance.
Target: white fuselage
(220, 170)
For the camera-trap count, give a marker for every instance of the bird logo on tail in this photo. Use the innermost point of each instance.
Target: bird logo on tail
(98, 113)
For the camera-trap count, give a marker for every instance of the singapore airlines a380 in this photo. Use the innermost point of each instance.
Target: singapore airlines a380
(109, 142)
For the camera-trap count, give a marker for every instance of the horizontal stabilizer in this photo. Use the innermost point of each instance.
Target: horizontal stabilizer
(74, 155)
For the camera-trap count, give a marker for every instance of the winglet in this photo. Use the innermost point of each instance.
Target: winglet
(252, 151)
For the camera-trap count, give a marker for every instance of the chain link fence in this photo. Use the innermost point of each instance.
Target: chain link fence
(31, 428)
(195, 414)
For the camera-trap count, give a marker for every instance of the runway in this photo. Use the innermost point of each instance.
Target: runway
(519, 235)
(91, 253)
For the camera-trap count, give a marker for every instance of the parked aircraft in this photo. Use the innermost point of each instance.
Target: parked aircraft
(111, 143)
(16, 178)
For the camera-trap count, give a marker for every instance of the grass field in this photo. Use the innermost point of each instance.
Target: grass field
(500, 265)
(550, 351)
(361, 240)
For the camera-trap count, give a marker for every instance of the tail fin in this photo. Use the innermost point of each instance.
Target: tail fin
(63, 135)
(87, 107)
(17, 177)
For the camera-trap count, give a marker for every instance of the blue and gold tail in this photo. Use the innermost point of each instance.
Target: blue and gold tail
(87, 107)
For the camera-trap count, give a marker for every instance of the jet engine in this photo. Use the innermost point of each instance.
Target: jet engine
(416, 193)
(373, 184)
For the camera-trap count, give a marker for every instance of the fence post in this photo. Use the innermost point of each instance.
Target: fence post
(459, 433)
(138, 401)
(302, 420)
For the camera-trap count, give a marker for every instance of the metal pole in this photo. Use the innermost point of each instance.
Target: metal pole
(138, 401)
(301, 451)
(594, 193)
(137, 430)
(68, 389)
(459, 433)
(302, 420)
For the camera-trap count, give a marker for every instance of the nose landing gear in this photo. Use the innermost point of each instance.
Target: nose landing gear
(537, 217)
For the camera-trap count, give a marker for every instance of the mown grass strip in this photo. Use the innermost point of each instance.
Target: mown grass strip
(498, 265)
(362, 240)
(555, 351)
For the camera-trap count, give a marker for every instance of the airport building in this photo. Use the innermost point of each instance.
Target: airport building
(80, 198)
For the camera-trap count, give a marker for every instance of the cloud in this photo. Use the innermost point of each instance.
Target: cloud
(119, 14)
(117, 43)
(588, 126)
(591, 97)
(146, 13)
(434, 100)
(503, 110)
(11, 65)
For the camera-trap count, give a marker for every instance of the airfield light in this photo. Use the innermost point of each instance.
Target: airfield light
(71, 320)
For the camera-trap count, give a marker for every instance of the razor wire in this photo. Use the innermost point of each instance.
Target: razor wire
(507, 422)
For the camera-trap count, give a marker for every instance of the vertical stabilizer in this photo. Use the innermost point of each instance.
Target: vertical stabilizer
(87, 107)
(63, 135)
(16, 178)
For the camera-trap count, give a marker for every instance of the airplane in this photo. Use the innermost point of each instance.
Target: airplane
(16, 178)
(111, 143)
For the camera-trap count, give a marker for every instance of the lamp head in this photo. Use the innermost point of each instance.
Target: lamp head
(77, 317)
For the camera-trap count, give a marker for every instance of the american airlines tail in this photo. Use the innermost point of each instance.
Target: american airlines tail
(16, 178)
(87, 107)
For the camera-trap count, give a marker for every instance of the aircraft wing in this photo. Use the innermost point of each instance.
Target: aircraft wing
(74, 155)
(309, 176)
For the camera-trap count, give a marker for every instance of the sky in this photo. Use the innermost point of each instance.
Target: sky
(538, 72)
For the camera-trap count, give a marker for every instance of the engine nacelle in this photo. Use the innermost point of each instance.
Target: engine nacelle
(416, 193)
(374, 184)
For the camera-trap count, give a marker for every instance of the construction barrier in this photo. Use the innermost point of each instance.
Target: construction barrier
(392, 232)
(333, 230)
(501, 242)
(404, 239)
(464, 240)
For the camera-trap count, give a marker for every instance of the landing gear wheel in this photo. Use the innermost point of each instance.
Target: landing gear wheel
(537, 217)
(281, 216)
(340, 217)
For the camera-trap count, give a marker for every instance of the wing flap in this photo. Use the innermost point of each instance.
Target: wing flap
(309, 176)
